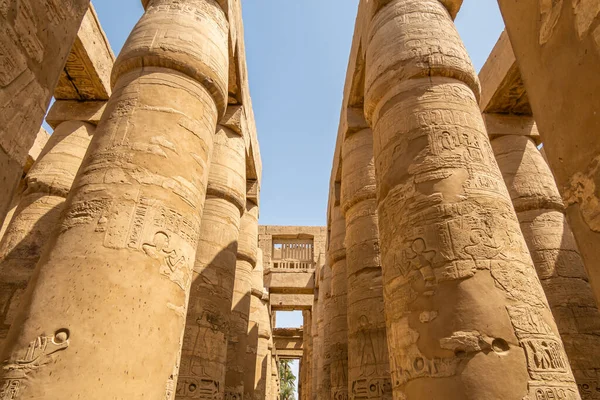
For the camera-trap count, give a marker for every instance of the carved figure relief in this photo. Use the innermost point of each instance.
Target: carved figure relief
(419, 258)
(172, 264)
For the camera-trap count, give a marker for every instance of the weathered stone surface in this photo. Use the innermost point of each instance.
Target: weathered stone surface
(368, 359)
(463, 303)
(317, 320)
(323, 377)
(242, 288)
(86, 75)
(558, 263)
(204, 351)
(557, 47)
(307, 355)
(73, 110)
(122, 262)
(35, 42)
(38, 213)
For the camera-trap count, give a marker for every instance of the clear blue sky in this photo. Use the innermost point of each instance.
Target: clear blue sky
(297, 53)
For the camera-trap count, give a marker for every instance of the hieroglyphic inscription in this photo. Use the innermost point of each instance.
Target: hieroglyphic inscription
(198, 388)
(376, 388)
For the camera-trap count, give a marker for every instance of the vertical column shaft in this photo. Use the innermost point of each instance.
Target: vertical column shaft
(324, 379)
(316, 342)
(466, 314)
(204, 350)
(38, 213)
(555, 255)
(368, 360)
(338, 328)
(307, 342)
(242, 287)
(105, 314)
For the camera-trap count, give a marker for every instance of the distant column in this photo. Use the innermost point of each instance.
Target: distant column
(36, 39)
(368, 360)
(105, 315)
(466, 314)
(324, 379)
(337, 351)
(555, 255)
(242, 287)
(316, 341)
(38, 213)
(307, 341)
(204, 351)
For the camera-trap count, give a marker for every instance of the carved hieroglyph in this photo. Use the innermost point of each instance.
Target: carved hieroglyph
(240, 308)
(337, 350)
(555, 255)
(463, 302)
(324, 378)
(204, 352)
(38, 213)
(117, 275)
(35, 41)
(368, 360)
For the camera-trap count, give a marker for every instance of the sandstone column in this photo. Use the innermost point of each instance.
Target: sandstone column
(337, 351)
(555, 255)
(238, 327)
(307, 340)
(38, 213)
(107, 314)
(269, 362)
(36, 39)
(466, 315)
(368, 362)
(557, 48)
(259, 329)
(204, 352)
(316, 340)
(324, 379)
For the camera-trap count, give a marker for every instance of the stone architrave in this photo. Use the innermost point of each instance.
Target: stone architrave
(368, 360)
(337, 351)
(34, 44)
(46, 186)
(105, 315)
(555, 255)
(240, 308)
(324, 383)
(204, 351)
(464, 306)
(557, 49)
(259, 333)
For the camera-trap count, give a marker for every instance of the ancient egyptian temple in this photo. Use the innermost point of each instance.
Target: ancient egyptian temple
(461, 256)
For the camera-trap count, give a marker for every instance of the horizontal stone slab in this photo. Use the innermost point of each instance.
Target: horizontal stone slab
(71, 110)
(290, 302)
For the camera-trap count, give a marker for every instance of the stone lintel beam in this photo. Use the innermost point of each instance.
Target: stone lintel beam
(86, 75)
(291, 302)
(287, 354)
(290, 281)
(502, 89)
(72, 110)
(506, 124)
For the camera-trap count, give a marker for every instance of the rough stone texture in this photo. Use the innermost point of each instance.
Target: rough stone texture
(323, 377)
(35, 43)
(32, 156)
(557, 48)
(38, 213)
(337, 351)
(72, 110)
(204, 351)
(316, 343)
(463, 303)
(555, 255)
(307, 355)
(259, 333)
(368, 360)
(242, 288)
(115, 280)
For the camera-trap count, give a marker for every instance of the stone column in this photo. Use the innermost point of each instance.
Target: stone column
(242, 287)
(46, 186)
(36, 40)
(556, 258)
(337, 351)
(368, 362)
(465, 311)
(316, 341)
(259, 333)
(269, 362)
(557, 48)
(324, 382)
(276, 383)
(307, 340)
(105, 315)
(204, 351)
